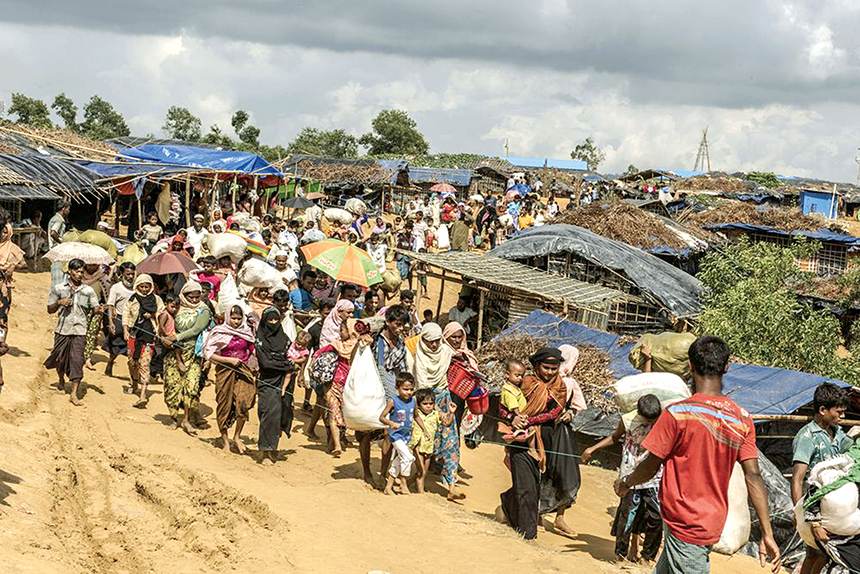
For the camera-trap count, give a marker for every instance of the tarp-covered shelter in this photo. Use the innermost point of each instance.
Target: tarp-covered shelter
(225, 161)
(427, 177)
(580, 254)
(41, 177)
(511, 290)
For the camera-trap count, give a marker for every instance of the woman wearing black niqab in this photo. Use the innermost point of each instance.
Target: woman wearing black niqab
(274, 390)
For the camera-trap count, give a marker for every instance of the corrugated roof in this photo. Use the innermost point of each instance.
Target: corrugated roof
(522, 278)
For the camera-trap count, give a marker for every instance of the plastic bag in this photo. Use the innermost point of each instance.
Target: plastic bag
(666, 386)
(669, 353)
(363, 394)
(339, 215)
(221, 244)
(258, 273)
(100, 239)
(736, 530)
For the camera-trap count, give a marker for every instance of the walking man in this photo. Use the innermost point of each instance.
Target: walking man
(699, 439)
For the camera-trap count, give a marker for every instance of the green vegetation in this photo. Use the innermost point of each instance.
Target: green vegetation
(765, 178)
(394, 132)
(749, 304)
(589, 153)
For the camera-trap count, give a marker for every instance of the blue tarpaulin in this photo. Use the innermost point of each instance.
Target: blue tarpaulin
(760, 390)
(458, 177)
(131, 169)
(820, 235)
(222, 160)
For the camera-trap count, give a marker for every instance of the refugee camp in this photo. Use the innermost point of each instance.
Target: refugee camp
(393, 287)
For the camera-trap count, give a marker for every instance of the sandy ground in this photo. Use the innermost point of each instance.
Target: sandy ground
(108, 488)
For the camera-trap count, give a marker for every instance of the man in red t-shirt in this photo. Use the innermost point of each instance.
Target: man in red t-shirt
(699, 439)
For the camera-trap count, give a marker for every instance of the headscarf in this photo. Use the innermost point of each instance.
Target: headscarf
(258, 303)
(537, 391)
(96, 279)
(575, 398)
(272, 343)
(462, 352)
(220, 336)
(430, 368)
(185, 305)
(331, 328)
(177, 239)
(379, 229)
(140, 328)
(10, 254)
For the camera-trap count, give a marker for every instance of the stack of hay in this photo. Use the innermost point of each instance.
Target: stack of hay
(783, 219)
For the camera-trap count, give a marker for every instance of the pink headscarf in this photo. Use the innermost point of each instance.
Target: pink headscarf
(331, 328)
(462, 352)
(575, 398)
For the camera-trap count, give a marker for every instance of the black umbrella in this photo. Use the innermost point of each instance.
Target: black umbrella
(298, 203)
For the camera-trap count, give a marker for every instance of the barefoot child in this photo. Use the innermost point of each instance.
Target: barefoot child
(424, 434)
(140, 327)
(402, 414)
(513, 398)
(167, 326)
(298, 354)
(639, 511)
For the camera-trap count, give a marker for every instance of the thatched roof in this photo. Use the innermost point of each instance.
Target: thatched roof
(20, 139)
(783, 219)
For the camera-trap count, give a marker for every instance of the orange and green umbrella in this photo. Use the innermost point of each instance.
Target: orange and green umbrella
(343, 262)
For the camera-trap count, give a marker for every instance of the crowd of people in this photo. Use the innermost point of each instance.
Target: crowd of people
(292, 349)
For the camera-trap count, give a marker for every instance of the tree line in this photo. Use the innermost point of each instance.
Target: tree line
(393, 132)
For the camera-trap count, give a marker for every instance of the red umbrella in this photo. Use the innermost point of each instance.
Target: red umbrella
(166, 263)
(443, 188)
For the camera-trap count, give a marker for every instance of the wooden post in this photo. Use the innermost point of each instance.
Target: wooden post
(140, 211)
(256, 186)
(441, 294)
(233, 190)
(481, 320)
(188, 200)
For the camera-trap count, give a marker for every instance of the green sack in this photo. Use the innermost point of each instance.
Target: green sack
(69, 236)
(133, 253)
(99, 238)
(669, 353)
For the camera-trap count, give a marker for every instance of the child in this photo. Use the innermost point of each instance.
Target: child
(513, 398)
(639, 511)
(818, 440)
(428, 317)
(139, 329)
(298, 354)
(424, 434)
(208, 274)
(167, 326)
(421, 271)
(152, 230)
(402, 411)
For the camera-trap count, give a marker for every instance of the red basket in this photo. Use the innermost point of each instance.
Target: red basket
(461, 381)
(479, 404)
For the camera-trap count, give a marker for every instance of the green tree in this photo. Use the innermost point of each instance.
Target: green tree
(332, 143)
(748, 302)
(67, 110)
(30, 111)
(181, 124)
(765, 178)
(248, 134)
(240, 118)
(589, 153)
(631, 170)
(216, 137)
(102, 121)
(394, 132)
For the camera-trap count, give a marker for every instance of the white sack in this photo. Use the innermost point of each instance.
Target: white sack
(258, 273)
(839, 512)
(363, 395)
(221, 244)
(339, 215)
(665, 386)
(736, 531)
(228, 295)
(355, 206)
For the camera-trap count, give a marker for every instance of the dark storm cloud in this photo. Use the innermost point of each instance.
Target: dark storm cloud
(731, 53)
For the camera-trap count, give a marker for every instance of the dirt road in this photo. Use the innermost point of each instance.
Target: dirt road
(109, 488)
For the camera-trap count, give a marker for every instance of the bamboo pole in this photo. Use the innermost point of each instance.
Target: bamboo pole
(798, 419)
(188, 200)
(441, 294)
(481, 319)
(233, 190)
(140, 211)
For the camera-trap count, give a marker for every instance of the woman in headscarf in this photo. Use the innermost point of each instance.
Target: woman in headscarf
(274, 385)
(139, 328)
(533, 492)
(217, 224)
(575, 398)
(177, 245)
(330, 333)
(230, 346)
(454, 336)
(259, 300)
(485, 222)
(380, 228)
(94, 276)
(182, 384)
(428, 360)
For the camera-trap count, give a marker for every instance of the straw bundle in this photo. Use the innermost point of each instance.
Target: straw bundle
(591, 370)
(777, 218)
(628, 224)
(339, 173)
(706, 183)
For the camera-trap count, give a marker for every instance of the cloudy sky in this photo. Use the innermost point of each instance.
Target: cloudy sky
(777, 82)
